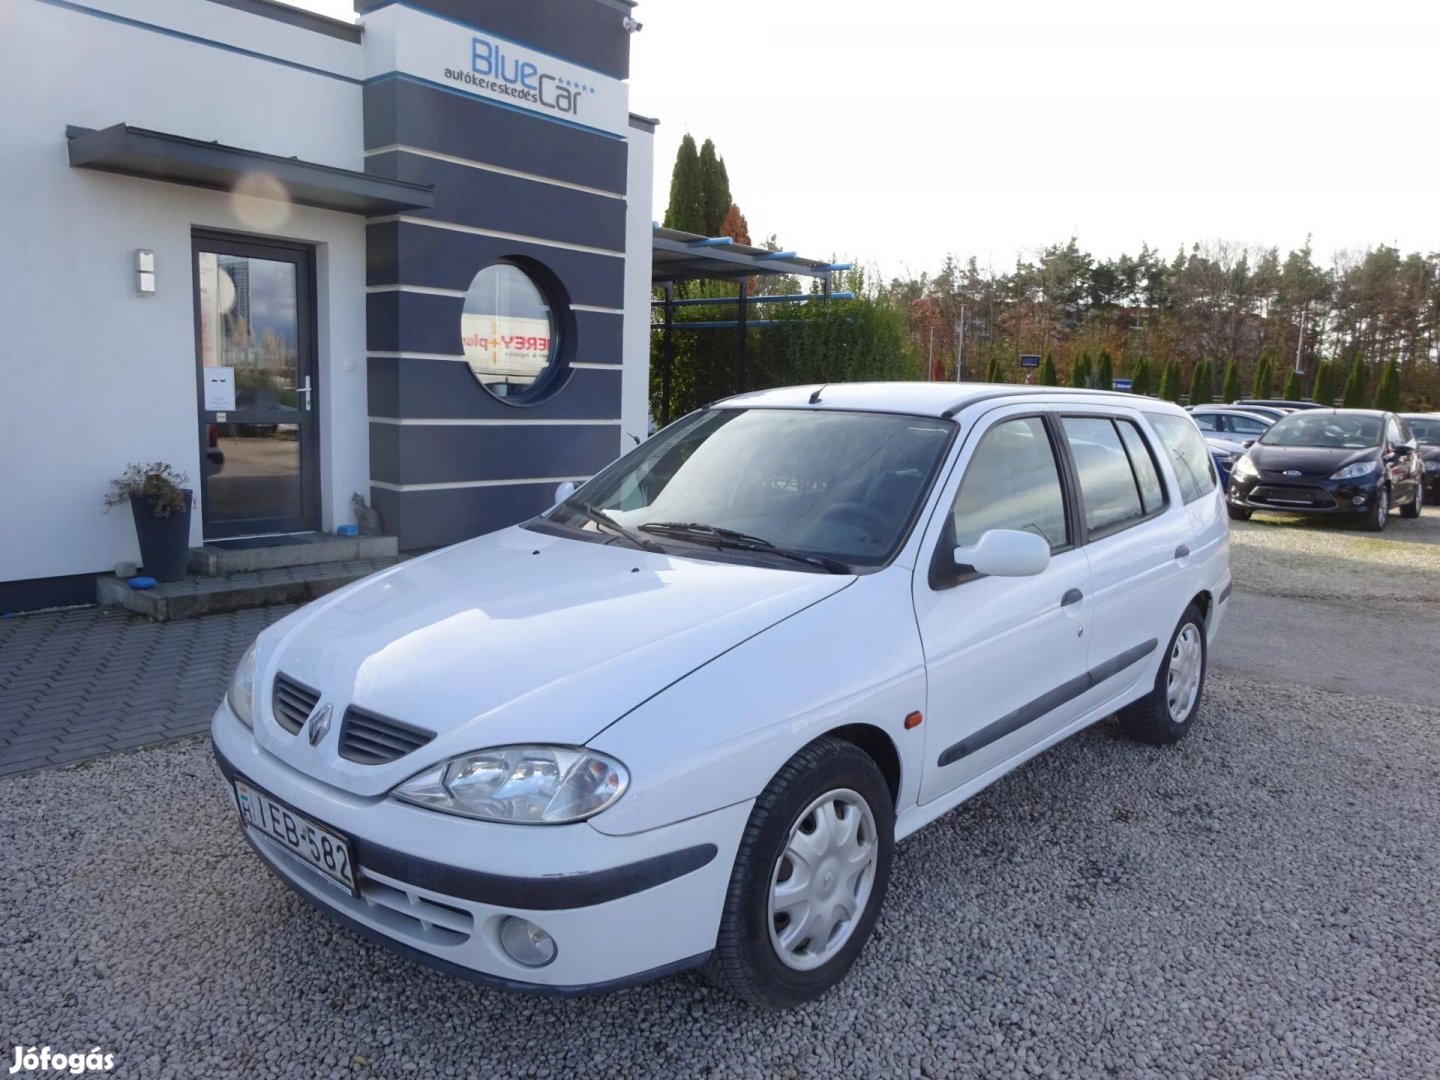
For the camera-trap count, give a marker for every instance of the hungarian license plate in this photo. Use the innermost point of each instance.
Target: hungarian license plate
(322, 850)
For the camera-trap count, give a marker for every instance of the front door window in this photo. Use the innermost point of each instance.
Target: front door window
(256, 351)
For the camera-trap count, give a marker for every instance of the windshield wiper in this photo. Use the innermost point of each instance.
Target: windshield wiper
(601, 518)
(723, 538)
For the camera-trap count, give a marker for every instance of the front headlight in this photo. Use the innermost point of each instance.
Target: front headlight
(1354, 469)
(524, 785)
(242, 689)
(1245, 467)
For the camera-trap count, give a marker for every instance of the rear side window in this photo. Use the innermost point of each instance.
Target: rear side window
(1206, 422)
(1107, 481)
(1187, 452)
(1243, 425)
(1142, 460)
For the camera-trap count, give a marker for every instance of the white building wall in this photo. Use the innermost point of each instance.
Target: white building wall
(93, 375)
(635, 375)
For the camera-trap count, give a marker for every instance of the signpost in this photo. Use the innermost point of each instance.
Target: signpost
(1120, 384)
(1029, 361)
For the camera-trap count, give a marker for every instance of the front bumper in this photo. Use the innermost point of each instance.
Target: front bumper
(435, 887)
(1302, 495)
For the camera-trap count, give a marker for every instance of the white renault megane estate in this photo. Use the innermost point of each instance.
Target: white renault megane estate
(683, 716)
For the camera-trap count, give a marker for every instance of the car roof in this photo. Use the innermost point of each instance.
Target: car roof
(1232, 410)
(938, 399)
(1347, 412)
(1279, 403)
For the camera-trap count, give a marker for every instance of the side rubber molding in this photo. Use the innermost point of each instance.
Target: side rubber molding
(1224, 594)
(554, 893)
(1046, 702)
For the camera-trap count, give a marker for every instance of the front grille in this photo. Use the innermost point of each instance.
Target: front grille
(1282, 495)
(292, 703)
(373, 740)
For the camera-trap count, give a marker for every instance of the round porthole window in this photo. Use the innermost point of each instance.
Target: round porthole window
(508, 329)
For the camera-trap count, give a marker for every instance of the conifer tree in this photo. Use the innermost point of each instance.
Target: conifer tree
(1230, 391)
(1387, 390)
(1353, 396)
(1323, 392)
(1047, 372)
(1292, 386)
(686, 209)
(1104, 372)
(1200, 389)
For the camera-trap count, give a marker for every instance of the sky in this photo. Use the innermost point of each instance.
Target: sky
(894, 133)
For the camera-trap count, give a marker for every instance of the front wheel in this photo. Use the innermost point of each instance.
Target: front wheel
(1165, 714)
(1379, 510)
(1414, 506)
(809, 878)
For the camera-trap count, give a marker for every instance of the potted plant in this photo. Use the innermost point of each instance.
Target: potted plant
(160, 503)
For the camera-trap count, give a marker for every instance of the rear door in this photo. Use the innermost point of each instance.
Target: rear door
(1005, 657)
(1137, 539)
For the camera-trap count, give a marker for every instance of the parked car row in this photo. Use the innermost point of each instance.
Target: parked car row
(1304, 457)
(1360, 463)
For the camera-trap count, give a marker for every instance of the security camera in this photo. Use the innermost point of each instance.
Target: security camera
(631, 26)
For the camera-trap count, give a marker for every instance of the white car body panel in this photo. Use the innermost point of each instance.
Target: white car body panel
(704, 678)
(510, 638)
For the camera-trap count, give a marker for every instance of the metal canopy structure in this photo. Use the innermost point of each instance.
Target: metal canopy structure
(683, 256)
(156, 155)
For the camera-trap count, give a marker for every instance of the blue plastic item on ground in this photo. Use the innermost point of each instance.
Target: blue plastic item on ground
(141, 582)
(347, 530)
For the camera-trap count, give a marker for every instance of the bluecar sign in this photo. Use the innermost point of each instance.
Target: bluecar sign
(467, 60)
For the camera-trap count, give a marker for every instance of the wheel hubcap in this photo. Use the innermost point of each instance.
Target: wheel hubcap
(1182, 681)
(823, 879)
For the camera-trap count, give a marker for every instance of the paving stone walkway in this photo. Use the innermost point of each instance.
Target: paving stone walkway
(78, 684)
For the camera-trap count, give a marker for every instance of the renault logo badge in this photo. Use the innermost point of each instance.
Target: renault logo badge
(319, 723)
(1288, 472)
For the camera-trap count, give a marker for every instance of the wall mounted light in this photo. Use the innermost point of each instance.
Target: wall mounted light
(145, 272)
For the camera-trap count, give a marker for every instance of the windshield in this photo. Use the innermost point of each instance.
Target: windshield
(839, 485)
(1314, 428)
(1425, 431)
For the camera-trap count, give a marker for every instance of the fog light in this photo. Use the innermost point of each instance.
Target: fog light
(1358, 500)
(526, 943)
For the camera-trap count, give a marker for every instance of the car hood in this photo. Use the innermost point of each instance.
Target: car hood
(1312, 461)
(514, 637)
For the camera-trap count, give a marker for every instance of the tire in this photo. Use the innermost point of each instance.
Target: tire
(1152, 719)
(1237, 513)
(1379, 512)
(1414, 506)
(748, 952)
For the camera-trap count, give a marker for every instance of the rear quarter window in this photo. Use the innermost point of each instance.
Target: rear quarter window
(1188, 454)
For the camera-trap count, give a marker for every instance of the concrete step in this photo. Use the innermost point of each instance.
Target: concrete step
(211, 594)
(303, 549)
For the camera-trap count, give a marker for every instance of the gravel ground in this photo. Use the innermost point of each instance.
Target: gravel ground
(1259, 900)
(1309, 559)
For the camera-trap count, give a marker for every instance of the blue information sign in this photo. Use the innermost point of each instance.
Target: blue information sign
(1121, 384)
(1029, 361)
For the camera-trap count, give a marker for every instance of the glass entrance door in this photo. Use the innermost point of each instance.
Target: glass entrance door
(259, 406)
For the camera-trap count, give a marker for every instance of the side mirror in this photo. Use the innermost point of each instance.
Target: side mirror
(1006, 553)
(563, 491)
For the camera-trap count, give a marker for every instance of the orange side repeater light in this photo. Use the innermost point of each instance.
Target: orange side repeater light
(913, 720)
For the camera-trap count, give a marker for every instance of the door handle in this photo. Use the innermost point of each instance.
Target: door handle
(305, 389)
(1072, 596)
(1182, 552)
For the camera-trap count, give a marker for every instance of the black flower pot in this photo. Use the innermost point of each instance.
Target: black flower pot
(164, 541)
